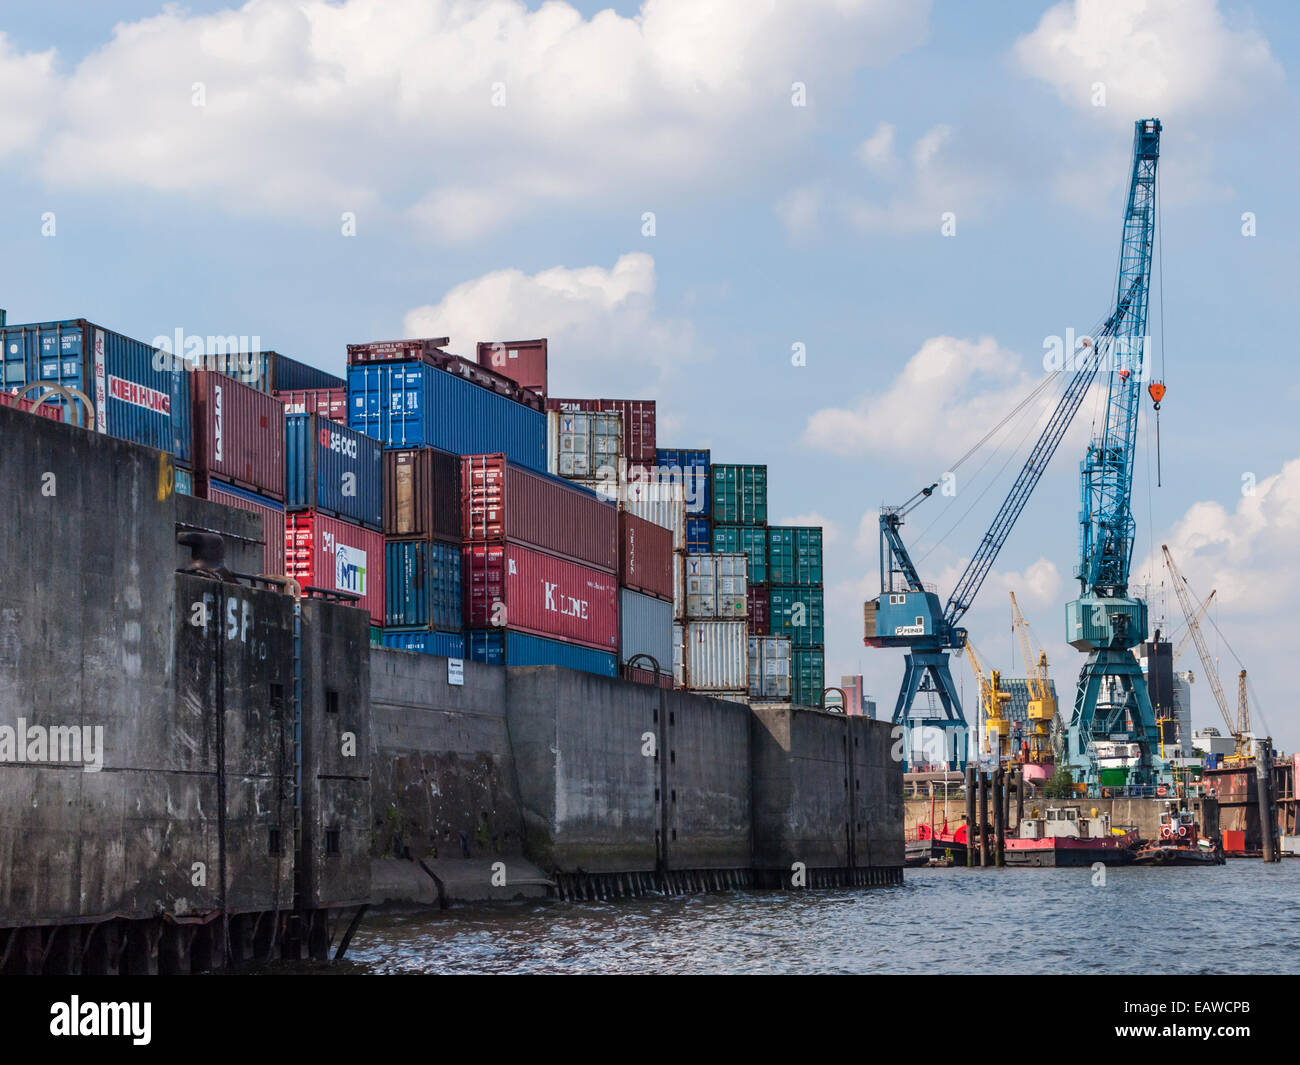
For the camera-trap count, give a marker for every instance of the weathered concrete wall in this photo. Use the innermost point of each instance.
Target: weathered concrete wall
(878, 789)
(589, 784)
(443, 780)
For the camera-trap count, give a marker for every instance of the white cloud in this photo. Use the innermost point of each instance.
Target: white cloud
(937, 179)
(800, 211)
(26, 83)
(1153, 57)
(605, 335)
(830, 527)
(389, 108)
(949, 394)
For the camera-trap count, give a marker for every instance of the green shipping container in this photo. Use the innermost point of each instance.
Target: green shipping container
(739, 495)
(794, 554)
(376, 636)
(1113, 778)
(807, 676)
(798, 613)
(750, 540)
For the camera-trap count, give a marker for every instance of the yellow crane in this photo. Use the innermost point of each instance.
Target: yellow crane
(1042, 703)
(1240, 726)
(997, 732)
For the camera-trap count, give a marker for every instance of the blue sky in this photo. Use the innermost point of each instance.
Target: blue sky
(774, 225)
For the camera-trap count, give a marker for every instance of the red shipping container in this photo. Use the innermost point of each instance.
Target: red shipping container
(759, 610)
(1234, 841)
(637, 675)
(330, 402)
(538, 593)
(523, 361)
(26, 403)
(638, 424)
(337, 556)
(501, 503)
(238, 434)
(645, 556)
(272, 521)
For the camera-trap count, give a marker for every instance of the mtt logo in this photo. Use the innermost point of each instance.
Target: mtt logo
(333, 441)
(350, 569)
(568, 605)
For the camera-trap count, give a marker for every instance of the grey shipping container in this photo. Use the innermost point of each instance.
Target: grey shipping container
(711, 656)
(645, 627)
(769, 668)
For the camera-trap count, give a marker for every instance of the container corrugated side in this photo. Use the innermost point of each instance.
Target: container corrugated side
(271, 510)
(332, 403)
(798, 613)
(645, 556)
(520, 588)
(712, 656)
(523, 361)
(336, 556)
(423, 586)
(699, 536)
(334, 469)
(794, 554)
(422, 493)
(511, 648)
(663, 504)
(502, 502)
(412, 404)
(739, 494)
(238, 434)
(446, 644)
(272, 372)
(637, 675)
(711, 586)
(645, 628)
(807, 676)
(769, 668)
(689, 467)
(748, 539)
(638, 424)
(139, 392)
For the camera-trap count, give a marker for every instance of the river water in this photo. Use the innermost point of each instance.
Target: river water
(1242, 917)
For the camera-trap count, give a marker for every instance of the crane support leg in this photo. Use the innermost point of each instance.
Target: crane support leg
(1112, 704)
(917, 667)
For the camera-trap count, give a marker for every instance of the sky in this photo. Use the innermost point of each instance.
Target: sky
(832, 236)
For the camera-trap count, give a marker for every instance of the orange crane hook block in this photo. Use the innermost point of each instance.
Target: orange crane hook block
(1157, 390)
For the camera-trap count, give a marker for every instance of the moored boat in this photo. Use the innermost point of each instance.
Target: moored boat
(1063, 837)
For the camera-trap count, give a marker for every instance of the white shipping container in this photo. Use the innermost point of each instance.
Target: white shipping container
(663, 504)
(712, 656)
(584, 444)
(710, 586)
(769, 668)
(645, 626)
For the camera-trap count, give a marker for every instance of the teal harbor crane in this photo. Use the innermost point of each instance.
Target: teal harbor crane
(1113, 719)
(908, 614)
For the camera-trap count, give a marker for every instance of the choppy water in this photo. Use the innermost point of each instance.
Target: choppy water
(1239, 918)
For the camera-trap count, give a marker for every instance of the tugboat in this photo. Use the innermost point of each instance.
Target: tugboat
(943, 846)
(1065, 838)
(1180, 842)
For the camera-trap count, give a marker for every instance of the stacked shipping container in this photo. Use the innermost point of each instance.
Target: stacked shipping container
(796, 605)
(645, 574)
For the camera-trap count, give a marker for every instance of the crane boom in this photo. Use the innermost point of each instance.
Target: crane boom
(1208, 665)
(1187, 636)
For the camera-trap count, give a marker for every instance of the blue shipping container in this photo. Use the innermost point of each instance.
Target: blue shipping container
(446, 644)
(691, 466)
(699, 536)
(140, 393)
(509, 648)
(335, 469)
(412, 404)
(184, 482)
(269, 371)
(422, 584)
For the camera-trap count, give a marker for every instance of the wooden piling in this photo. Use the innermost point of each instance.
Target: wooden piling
(999, 815)
(1264, 792)
(984, 819)
(970, 816)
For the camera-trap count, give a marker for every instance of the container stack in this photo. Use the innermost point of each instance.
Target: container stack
(690, 467)
(645, 600)
(738, 498)
(334, 538)
(238, 452)
(637, 421)
(796, 605)
(710, 638)
(422, 551)
(538, 569)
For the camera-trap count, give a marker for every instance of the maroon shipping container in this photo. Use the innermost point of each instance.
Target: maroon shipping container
(503, 503)
(330, 402)
(27, 403)
(638, 424)
(637, 675)
(422, 493)
(430, 351)
(645, 556)
(523, 361)
(336, 556)
(272, 520)
(759, 610)
(238, 434)
(528, 590)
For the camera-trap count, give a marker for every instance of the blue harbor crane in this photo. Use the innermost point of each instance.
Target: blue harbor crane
(908, 614)
(1113, 719)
